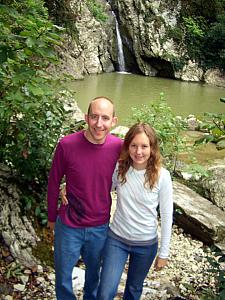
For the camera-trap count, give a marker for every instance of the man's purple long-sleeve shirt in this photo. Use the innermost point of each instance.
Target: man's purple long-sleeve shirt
(88, 170)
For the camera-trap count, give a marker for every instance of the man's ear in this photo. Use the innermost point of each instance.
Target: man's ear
(114, 121)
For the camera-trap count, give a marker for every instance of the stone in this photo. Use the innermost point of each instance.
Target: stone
(215, 77)
(78, 278)
(24, 279)
(90, 52)
(214, 185)
(51, 277)
(19, 287)
(16, 231)
(8, 297)
(39, 269)
(221, 144)
(199, 216)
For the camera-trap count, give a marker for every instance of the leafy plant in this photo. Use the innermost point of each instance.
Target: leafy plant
(32, 113)
(169, 128)
(194, 29)
(97, 10)
(13, 270)
(214, 43)
(217, 268)
(64, 14)
(214, 124)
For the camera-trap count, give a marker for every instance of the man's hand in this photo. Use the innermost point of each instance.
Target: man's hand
(51, 225)
(63, 195)
(160, 263)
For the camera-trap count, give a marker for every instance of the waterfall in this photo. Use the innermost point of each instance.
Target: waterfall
(121, 61)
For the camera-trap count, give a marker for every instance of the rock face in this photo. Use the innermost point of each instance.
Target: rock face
(89, 52)
(17, 232)
(148, 46)
(146, 27)
(214, 77)
(199, 216)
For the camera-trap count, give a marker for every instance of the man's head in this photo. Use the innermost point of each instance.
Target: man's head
(100, 118)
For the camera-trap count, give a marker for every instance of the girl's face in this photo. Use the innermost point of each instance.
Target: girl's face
(139, 151)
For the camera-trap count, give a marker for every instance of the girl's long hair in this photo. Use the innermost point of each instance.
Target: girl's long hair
(154, 161)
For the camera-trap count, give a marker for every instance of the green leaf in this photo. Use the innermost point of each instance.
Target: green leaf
(37, 211)
(36, 91)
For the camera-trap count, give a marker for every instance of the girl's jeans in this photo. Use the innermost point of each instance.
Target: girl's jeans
(114, 259)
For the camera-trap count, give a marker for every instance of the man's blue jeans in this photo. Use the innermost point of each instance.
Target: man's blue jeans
(114, 259)
(69, 244)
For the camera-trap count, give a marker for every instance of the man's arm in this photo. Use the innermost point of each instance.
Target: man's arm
(56, 174)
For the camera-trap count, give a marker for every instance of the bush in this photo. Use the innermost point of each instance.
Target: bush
(97, 10)
(169, 129)
(31, 110)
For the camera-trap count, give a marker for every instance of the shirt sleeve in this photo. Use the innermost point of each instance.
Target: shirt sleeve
(166, 212)
(56, 174)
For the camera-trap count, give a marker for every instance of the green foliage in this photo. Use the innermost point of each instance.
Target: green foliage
(32, 111)
(214, 44)
(168, 128)
(217, 270)
(178, 63)
(201, 32)
(13, 270)
(64, 15)
(194, 29)
(208, 9)
(197, 171)
(214, 124)
(97, 10)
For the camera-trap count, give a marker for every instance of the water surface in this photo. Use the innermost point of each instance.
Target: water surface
(130, 90)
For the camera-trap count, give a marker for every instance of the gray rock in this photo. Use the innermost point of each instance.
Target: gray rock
(214, 185)
(16, 231)
(19, 287)
(221, 144)
(198, 216)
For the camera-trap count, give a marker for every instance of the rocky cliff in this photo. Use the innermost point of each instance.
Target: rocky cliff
(89, 51)
(148, 45)
(146, 28)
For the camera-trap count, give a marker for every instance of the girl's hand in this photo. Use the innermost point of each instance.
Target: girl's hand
(160, 263)
(63, 195)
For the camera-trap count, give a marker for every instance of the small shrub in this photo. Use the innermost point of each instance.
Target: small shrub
(168, 127)
(97, 10)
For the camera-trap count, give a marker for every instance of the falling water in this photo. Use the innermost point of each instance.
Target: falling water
(121, 61)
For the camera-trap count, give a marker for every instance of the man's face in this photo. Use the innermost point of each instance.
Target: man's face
(100, 120)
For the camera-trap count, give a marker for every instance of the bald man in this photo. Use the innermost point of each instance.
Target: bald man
(87, 160)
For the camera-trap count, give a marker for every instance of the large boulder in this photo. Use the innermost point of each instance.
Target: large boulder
(214, 185)
(199, 216)
(215, 77)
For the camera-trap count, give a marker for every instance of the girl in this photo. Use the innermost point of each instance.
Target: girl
(142, 185)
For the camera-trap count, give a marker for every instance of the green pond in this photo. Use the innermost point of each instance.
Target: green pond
(130, 90)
